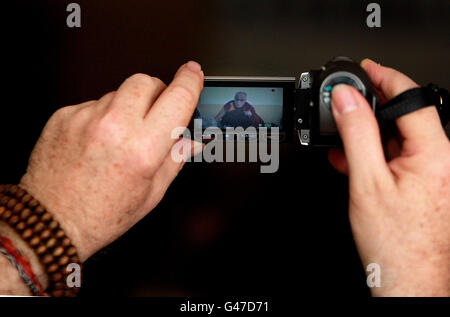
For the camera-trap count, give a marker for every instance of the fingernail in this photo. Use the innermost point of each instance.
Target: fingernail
(342, 99)
(194, 66)
(368, 60)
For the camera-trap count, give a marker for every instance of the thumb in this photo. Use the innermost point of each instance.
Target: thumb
(359, 132)
(184, 149)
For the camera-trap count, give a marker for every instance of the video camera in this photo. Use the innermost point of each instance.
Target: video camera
(288, 108)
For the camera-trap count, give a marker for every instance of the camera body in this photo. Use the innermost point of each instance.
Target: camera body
(313, 119)
(293, 108)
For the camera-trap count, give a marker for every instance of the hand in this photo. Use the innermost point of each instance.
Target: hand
(399, 209)
(248, 113)
(100, 166)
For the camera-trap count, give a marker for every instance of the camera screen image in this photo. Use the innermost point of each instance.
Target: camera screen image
(244, 107)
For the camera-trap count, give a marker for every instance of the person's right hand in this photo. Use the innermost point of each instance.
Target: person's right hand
(399, 209)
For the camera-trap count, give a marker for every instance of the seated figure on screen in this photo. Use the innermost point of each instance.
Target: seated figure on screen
(238, 113)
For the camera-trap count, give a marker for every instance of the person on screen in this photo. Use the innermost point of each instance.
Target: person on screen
(239, 113)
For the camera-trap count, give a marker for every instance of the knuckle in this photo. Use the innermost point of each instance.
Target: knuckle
(61, 115)
(136, 86)
(109, 121)
(141, 78)
(64, 111)
(106, 128)
(77, 120)
(158, 82)
(107, 97)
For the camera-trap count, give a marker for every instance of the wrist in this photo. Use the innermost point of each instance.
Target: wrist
(68, 218)
(428, 279)
(44, 235)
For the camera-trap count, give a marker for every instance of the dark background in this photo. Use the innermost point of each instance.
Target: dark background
(222, 228)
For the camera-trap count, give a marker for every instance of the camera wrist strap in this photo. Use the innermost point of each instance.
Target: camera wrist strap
(415, 99)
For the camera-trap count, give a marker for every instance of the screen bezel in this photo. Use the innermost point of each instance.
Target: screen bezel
(287, 83)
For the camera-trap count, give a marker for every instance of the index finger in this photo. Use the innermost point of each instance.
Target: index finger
(175, 106)
(421, 127)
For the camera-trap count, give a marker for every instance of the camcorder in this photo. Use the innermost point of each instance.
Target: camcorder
(298, 110)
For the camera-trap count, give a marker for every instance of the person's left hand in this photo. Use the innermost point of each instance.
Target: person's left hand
(100, 166)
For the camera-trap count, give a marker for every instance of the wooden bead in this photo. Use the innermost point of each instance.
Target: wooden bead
(57, 293)
(32, 220)
(59, 234)
(41, 249)
(76, 289)
(55, 277)
(25, 213)
(18, 208)
(26, 198)
(20, 193)
(38, 227)
(33, 203)
(47, 259)
(11, 203)
(27, 233)
(7, 187)
(53, 225)
(71, 251)
(58, 286)
(46, 234)
(66, 242)
(58, 251)
(39, 210)
(13, 220)
(69, 293)
(2, 210)
(63, 260)
(46, 217)
(52, 268)
(13, 189)
(34, 241)
(6, 215)
(75, 259)
(2, 188)
(21, 226)
(4, 200)
(51, 243)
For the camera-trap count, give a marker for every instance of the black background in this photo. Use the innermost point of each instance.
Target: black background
(222, 228)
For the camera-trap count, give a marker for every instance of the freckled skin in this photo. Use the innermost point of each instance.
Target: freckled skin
(399, 208)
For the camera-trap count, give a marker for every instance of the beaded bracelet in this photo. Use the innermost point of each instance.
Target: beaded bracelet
(43, 234)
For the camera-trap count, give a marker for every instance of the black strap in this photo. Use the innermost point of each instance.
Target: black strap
(415, 99)
(409, 101)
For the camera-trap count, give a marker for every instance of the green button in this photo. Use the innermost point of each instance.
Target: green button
(328, 88)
